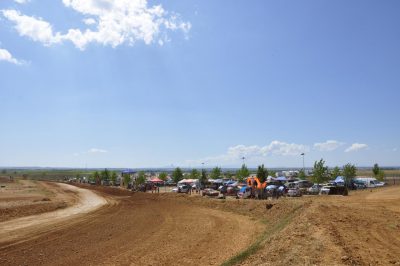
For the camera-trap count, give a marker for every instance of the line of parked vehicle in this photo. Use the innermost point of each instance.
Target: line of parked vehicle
(276, 188)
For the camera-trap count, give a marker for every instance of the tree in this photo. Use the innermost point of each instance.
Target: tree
(105, 175)
(320, 172)
(271, 173)
(215, 173)
(141, 179)
(163, 176)
(242, 173)
(114, 177)
(96, 177)
(381, 175)
(349, 172)
(203, 177)
(228, 174)
(336, 172)
(194, 174)
(376, 170)
(302, 174)
(127, 179)
(262, 173)
(177, 175)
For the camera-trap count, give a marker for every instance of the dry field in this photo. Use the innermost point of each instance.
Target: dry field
(170, 229)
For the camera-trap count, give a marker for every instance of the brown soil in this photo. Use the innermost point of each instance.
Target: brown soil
(167, 229)
(361, 229)
(138, 229)
(24, 197)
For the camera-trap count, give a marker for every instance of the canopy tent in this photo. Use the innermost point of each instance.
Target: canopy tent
(188, 181)
(339, 179)
(270, 178)
(281, 178)
(128, 171)
(156, 180)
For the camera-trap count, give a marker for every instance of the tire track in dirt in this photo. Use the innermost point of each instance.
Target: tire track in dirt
(142, 229)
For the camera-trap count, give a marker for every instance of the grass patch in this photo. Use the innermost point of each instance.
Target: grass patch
(267, 234)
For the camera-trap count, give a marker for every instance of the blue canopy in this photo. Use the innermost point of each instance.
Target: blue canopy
(339, 179)
(281, 178)
(128, 171)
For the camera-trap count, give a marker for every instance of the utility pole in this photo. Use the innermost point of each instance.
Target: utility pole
(304, 171)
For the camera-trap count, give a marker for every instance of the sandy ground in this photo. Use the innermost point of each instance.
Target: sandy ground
(361, 229)
(83, 201)
(170, 229)
(25, 197)
(135, 229)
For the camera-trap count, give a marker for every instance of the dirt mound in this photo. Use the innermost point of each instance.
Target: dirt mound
(337, 230)
(34, 207)
(141, 229)
(169, 228)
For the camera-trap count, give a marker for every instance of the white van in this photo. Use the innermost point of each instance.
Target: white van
(370, 182)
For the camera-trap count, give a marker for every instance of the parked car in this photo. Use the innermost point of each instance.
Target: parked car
(314, 190)
(325, 190)
(181, 189)
(359, 184)
(294, 192)
(244, 192)
(304, 185)
(379, 184)
(210, 192)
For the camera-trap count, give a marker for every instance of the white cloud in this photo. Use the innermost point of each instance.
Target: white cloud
(22, 1)
(117, 22)
(35, 28)
(235, 153)
(329, 145)
(7, 56)
(356, 147)
(89, 21)
(96, 150)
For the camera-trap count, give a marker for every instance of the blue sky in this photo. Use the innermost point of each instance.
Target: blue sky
(134, 84)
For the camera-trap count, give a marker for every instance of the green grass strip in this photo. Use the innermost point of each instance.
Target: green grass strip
(267, 234)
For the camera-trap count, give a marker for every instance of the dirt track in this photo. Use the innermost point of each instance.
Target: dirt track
(146, 229)
(361, 229)
(138, 229)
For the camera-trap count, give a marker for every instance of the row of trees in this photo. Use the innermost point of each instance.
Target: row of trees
(321, 173)
(104, 175)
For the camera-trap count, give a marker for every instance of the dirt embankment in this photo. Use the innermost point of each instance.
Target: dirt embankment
(361, 229)
(25, 197)
(165, 229)
(138, 229)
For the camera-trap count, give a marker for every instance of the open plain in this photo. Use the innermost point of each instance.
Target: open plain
(119, 227)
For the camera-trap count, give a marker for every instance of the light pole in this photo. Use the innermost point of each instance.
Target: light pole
(304, 171)
(243, 158)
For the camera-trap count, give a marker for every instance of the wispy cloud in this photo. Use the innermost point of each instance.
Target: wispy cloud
(22, 1)
(116, 22)
(91, 151)
(356, 147)
(235, 153)
(5, 55)
(96, 150)
(329, 145)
